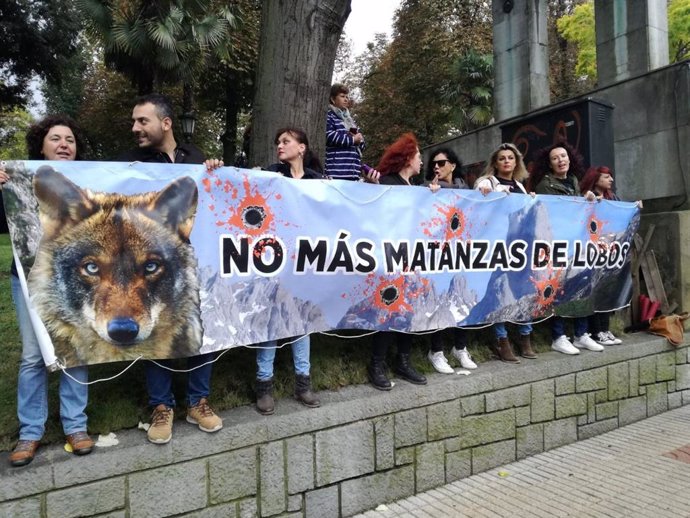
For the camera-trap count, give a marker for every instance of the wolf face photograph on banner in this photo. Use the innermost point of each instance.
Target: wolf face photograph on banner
(166, 261)
(114, 276)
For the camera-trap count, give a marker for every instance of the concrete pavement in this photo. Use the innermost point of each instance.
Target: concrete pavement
(630, 472)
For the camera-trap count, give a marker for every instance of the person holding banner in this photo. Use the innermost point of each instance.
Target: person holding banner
(400, 163)
(294, 155)
(56, 137)
(152, 125)
(557, 168)
(505, 171)
(445, 170)
(599, 180)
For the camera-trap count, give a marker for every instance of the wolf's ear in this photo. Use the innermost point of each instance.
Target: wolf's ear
(61, 201)
(176, 205)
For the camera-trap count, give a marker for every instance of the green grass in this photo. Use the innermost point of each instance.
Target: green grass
(121, 403)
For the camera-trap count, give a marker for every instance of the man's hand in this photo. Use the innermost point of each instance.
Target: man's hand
(213, 163)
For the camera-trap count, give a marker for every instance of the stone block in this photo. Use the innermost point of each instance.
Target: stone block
(560, 432)
(583, 420)
(666, 366)
(594, 379)
(508, 398)
(565, 384)
(404, 456)
(225, 510)
(344, 452)
(591, 430)
(683, 376)
(87, 499)
(410, 427)
(272, 495)
(248, 508)
(657, 399)
(686, 397)
(681, 355)
(671, 386)
(619, 381)
(607, 410)
(601, 396)
(492, 455)
(443, 420)
(634, 374)
(300, 463)
(675, 400)
(591, 407)
(452, 444)
(542, 401)
(631, 410)
(487, 428)
(385, 443)
(24, 507)
(175, 489)
(364, 493)
(225, 485)
(570, 405)
(294, 503)
(647, 370)
(523, 416)
(529, 440)
(322, 502)
(35, 478)
(430, 471)
(472, 405)
(458, 465)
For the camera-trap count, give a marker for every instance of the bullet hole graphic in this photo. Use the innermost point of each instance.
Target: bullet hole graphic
(455, 222)
(253, 216)
(548, 291)
(593, 226)
(389, 294)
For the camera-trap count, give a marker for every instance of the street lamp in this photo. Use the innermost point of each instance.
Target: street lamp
(187, 120)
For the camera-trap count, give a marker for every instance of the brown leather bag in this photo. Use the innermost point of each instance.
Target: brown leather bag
(670, 327)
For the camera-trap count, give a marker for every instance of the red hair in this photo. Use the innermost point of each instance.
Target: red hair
(591, 177)
(398, 155)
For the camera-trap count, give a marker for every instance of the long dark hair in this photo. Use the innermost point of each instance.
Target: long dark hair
(309, 160)
(37, 132)
(542, 164)
(452, 158)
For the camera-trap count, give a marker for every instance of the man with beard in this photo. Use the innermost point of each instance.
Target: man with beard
(152, 125)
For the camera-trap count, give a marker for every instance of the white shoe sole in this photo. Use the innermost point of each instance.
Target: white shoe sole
(208, 430)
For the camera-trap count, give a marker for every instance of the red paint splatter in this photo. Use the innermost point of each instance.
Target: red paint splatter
(547, 289)
(449, 222)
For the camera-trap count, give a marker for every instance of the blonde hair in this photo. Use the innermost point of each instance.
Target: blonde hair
(519, 174)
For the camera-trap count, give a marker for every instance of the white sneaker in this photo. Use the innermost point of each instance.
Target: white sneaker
(438, 360)
(563, 345)
(603, 339)
(463, 356)
(614, 338)
(586, 342)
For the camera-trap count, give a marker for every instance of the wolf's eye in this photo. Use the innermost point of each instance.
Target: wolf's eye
(90, 268)
(151, 267)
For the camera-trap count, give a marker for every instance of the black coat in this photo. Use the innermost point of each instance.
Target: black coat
(184, 154)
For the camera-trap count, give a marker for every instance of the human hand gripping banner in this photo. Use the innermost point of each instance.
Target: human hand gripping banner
(127, 261)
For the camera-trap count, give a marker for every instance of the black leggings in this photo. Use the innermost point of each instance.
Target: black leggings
(457, 335)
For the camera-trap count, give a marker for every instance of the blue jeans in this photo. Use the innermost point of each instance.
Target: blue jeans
(32, 385)
(267, 353)
(159, 380)
(501, 332)
(558, 326)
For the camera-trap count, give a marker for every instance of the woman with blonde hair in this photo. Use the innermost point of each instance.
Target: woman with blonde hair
(505, 171)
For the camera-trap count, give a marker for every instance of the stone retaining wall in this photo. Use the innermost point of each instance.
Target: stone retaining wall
(362, 447)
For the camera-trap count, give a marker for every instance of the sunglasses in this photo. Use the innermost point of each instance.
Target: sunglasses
(439, 163)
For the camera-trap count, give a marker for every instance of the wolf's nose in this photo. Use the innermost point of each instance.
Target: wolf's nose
(123, 330)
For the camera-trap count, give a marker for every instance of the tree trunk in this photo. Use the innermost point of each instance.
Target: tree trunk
(299, 39)
(229, 137)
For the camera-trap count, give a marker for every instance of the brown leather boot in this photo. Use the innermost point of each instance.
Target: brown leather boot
(525, 347)
(303, 392)
(264, 397)
(504, 351)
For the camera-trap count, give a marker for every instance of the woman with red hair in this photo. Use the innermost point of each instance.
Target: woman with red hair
(599, 180)
(401, 162)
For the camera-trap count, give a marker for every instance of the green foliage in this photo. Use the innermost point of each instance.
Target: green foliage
(578, 28)
(13, 126)
(36, 37)
(403, 82)
(470, 92)
(679, 29)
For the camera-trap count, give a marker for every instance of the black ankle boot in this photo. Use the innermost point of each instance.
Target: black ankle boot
(377, 374)
(303, 392)
(406, 371)
(264, 397)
